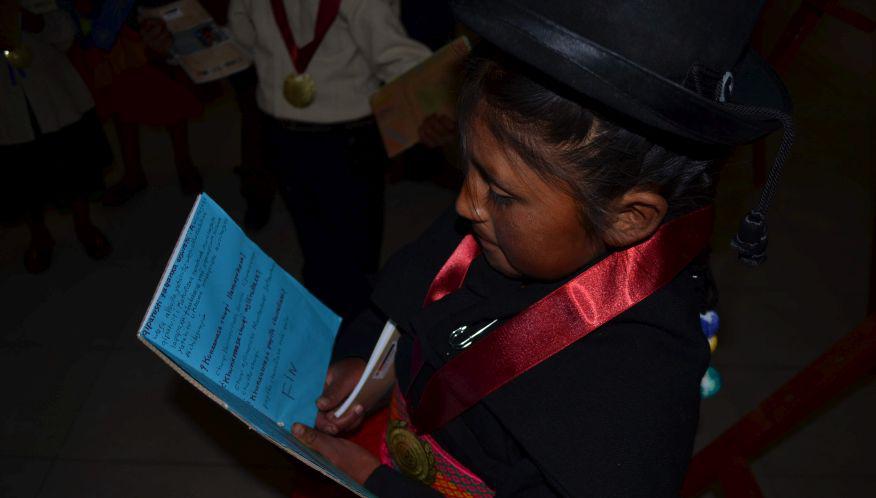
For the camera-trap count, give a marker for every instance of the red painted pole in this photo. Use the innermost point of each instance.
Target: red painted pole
(823, 381)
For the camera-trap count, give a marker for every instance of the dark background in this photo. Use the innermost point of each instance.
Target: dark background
(88, 411)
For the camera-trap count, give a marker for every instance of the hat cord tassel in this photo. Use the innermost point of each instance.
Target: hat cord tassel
(751, 240)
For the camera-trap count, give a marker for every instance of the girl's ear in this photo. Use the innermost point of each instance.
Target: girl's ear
(637, 215)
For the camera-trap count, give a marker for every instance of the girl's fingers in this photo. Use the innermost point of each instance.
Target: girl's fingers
(347, 456)
(430, 133)
(328, 423)
(338, 385)
(311, 438)
(323, 403)
(436, 130)
(149, 26)
(330, 398)
(322, 422)
(318, 441)
(447, 124)
(348, 420)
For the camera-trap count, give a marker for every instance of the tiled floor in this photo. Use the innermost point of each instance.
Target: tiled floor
(88, 412)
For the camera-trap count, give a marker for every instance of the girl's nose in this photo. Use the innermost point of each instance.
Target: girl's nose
(466, 201)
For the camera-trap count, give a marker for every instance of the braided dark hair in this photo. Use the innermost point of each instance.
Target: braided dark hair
(577, 146)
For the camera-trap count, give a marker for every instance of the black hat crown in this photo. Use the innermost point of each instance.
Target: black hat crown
(667, 38)
(682, 67)
(670, 65)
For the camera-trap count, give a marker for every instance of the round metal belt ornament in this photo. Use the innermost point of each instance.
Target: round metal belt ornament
(299, 90)
(413, 457)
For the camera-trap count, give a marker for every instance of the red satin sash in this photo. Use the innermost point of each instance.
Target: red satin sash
(451, 276)
(325, 16)
(564, 316)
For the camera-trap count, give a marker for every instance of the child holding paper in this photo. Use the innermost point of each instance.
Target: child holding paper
(550, 340)
(318, 62)
(123, 67)
(52, 147)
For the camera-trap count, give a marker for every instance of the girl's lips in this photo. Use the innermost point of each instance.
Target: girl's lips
(483, 240)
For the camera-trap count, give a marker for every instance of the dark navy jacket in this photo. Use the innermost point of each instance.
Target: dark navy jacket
(613, 415)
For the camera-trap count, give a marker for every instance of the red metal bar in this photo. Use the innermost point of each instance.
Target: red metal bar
(823, 381)
(738, 481)
(801, 25)
(852, 18)
(804, 21)
(871, 304)
(799, 28)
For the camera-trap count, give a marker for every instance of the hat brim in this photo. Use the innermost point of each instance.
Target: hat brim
(624, 86)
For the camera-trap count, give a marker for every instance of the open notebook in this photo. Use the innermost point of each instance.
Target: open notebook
(235, 325)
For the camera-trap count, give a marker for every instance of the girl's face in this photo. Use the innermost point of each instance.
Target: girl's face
(527, 227)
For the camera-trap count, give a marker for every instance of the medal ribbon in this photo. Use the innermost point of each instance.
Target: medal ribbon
(325, 16)
(585, 303)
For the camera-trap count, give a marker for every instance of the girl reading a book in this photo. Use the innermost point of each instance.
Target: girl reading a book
(550, 340)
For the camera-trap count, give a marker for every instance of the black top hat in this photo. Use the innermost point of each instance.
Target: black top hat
(682, 67)
(671, 65)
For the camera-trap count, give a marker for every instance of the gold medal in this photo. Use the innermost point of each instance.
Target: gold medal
(20, 57)
(413, 457)
(299, 90)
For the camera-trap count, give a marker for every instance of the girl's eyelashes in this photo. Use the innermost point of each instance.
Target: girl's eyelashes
(498, 199)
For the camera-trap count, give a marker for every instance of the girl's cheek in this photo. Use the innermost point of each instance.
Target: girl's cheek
(508, 237)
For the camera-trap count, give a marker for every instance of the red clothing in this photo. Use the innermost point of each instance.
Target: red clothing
(369, 436)
(127, 85)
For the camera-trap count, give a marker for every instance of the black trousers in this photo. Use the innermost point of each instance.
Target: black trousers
(55, 167)
(331, 179)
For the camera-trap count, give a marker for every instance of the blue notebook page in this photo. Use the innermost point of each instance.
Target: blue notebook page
(243, 330)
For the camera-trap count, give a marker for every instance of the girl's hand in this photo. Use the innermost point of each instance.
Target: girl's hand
(339, 383)
(156, 36)
(437, 130)
(352, 459)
